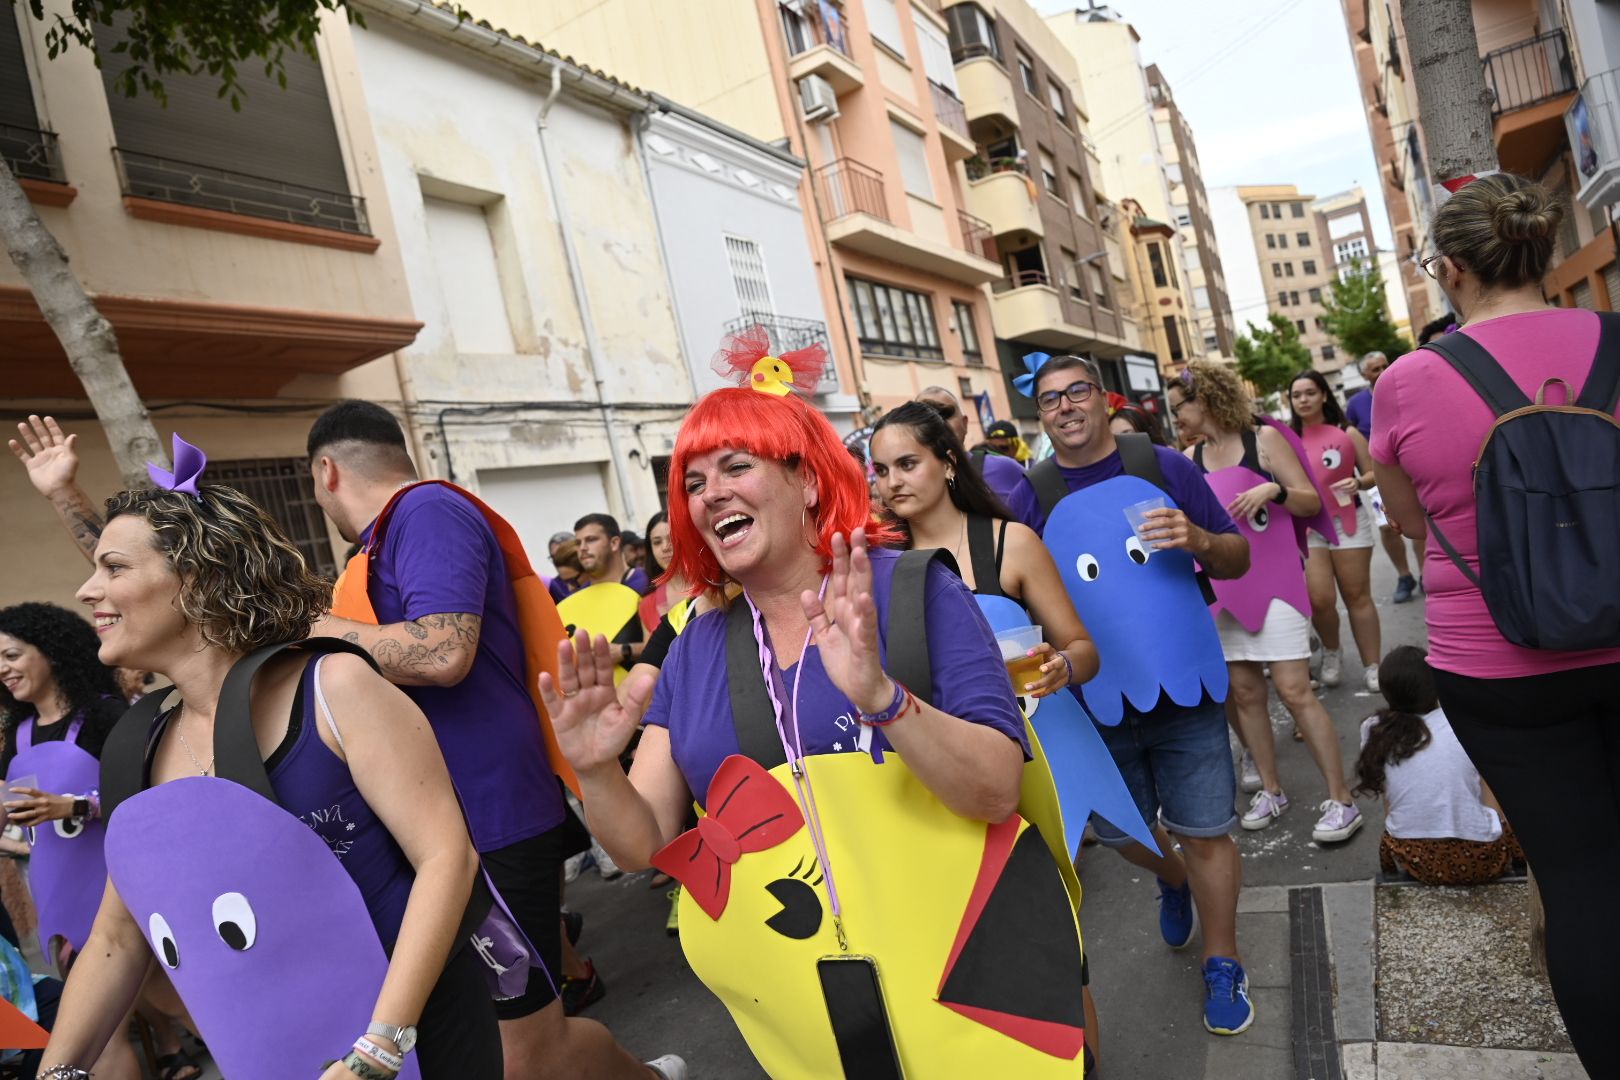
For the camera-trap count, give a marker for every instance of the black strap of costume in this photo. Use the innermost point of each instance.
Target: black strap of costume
(1050, 487)
(1137, 456)
(123, 755)
(1001, 549)
(1198, 455)
(1602, 389)
(983, 557)
(1480, 369)
(1251, 453)
(905, 640)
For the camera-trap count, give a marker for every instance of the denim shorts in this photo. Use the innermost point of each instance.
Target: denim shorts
(1177, 763)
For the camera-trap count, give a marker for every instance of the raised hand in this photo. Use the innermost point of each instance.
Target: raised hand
(593, 725)
(47, 453)
(843, 626)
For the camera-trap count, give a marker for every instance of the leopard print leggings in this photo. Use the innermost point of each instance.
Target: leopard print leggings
(1451, 862)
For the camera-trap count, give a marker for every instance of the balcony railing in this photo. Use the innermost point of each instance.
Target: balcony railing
(790, 334)
(1018, 279)
(32, 155)
(821, 24)
(978, 168)
(1593, 124)
(149, 176)
(977, 236)
(950, 111)
(848, 187)
(1530, 72)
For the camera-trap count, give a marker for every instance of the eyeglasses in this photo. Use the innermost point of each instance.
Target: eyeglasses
(1078, 393)
(1175, 410)
(1427, 264)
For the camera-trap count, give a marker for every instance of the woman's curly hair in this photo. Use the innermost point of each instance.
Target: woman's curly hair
(243, 584)
(69, 644)
(1220, 393)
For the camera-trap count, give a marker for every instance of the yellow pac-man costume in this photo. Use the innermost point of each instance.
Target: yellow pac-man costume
(605, 608)
(970, 926)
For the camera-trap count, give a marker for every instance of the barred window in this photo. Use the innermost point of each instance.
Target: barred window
(284, 489)
(748, 277)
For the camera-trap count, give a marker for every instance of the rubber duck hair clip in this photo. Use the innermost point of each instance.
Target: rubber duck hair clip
(189, 462)
(745, 358)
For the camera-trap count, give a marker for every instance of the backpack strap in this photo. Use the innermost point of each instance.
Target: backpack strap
(751, 714)
(1050, 488)
(1470, 360)
(983, 556)
(123, 755)
(1137, 455)
(906, 632)
(1451, 552)
(1602, 389)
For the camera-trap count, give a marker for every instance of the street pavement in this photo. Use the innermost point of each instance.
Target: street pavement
(1148, 997)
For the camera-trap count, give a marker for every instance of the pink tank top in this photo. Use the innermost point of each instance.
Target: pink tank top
(1333, 456)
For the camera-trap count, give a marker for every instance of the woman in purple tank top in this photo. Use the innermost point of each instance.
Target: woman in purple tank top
(311, 924)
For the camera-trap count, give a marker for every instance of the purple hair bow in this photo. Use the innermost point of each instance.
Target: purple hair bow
(189, 463)
(1025, 384)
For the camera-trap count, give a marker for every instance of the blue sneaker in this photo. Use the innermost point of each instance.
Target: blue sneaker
(1227, 1009)
(1404, 588)
(1178, 918)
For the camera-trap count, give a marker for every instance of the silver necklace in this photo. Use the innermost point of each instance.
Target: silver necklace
(202, 770)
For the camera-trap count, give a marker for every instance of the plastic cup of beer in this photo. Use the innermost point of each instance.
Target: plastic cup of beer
(1137, 514)
(1015, 643)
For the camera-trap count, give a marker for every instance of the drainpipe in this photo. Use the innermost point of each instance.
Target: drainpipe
(577, 280)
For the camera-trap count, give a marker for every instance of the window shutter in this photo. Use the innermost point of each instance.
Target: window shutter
(936, 50)
(883, 19)
(913, 152)
(16, 96)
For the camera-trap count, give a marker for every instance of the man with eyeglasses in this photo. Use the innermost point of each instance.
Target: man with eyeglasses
(1004, 475)
(1160, 696)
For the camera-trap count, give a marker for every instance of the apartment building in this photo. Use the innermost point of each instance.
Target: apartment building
(1297, 260)
(248, 262)
(1032, 181)
(1189, 204)
(867, 94)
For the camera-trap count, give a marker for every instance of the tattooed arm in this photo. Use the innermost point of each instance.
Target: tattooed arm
(53, 463)
(435, 650)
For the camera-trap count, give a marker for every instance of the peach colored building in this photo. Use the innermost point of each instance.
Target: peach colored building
(866, 93)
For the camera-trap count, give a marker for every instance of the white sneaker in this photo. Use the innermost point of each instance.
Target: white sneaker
(604, 862)
(1371, 677)
(1264, 808)
(1339, 821)
(1251, 774)
(669, 1067)
(1332, 666)
(572, 867)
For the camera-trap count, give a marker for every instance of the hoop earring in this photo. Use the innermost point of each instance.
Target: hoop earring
(950, 480)
(804, 519)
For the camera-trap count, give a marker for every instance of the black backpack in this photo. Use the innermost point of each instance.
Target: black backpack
(1547, 486)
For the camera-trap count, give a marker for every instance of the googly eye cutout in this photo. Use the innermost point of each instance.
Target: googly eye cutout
(234, 921)
(68, 828)
(1262, 518)
(1138, 553)
(1087, 567)
(163, 942)
(1331, 458)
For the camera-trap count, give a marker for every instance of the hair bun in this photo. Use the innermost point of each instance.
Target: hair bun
(1525, 215)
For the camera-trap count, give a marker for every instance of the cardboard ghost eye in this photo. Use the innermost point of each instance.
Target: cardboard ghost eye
(1135, 551)
(1260, 520)
(234, 921)
(1086, 565)
(162, 939)
(1331, 458)
(68, 828)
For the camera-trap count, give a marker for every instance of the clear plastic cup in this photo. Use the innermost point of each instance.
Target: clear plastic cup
(1015, 644)
(1137, 513)
(30, 781)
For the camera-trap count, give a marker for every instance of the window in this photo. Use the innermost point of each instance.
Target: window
(1271, 241)
(1276, 269)
(1276, 211)
(1201, 297)
(964, 386)
(1320, 324)
(1195, 262)
(1049, 176)
(459, 236)
(1282, 299)
(1099, 285)
(795, 29)
(1212, 343)
(284, 488)
(913, 152)
(883, 19)
(1293, 298)
(1077, 196)
(1328, 353)
(1299, 324)
(973, 33)
(1304, 239)
(1156, 260)
(1054, 94)
(967, 332)
(1316, 296)
(895, 322)
(1297, 209)
(748, 277)
(1265, 211)
(1310, 266)
(1071, 275)
(1026, 72)
(1288, 269)
(936, 53)
(1172, 334)
(1184, 220)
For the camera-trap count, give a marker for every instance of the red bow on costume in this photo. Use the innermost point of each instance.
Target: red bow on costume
(748, 811)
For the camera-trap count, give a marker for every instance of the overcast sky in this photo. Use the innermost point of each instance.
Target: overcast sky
(1269, 87)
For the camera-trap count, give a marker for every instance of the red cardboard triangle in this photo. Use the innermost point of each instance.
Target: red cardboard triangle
(17, 1032)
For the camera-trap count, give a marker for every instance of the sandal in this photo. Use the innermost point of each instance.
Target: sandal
(173, 1066)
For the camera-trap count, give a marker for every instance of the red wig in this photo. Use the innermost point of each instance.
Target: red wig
(781, 429)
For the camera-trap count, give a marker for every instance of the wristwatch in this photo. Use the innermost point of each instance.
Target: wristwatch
(402, 1037)
(81, 809)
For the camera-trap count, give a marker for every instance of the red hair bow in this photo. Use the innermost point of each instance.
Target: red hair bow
(748, 811)
(738, 361)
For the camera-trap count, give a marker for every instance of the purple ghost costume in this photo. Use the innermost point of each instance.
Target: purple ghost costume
(67, 872)
(1275, 569)
(268, 942)
(1322, 520)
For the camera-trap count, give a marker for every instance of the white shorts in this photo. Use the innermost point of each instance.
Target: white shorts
(1285, 635)
(1365, 536)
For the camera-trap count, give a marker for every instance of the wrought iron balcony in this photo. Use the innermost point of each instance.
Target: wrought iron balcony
(32, 155)
(148, 176)
(950, 111)
(977, 236)
(787, 334)
(1529, 72)
(847, 187)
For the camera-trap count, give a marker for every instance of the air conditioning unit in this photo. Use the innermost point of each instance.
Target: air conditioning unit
(817, 97)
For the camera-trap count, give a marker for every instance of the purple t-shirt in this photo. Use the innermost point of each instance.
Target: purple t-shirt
(693, 697)
(1185, 480)
(561, 590)
(440, 556)
(1358, 410)
(1008, 479)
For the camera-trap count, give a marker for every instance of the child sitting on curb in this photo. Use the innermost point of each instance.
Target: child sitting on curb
(1442, 826)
